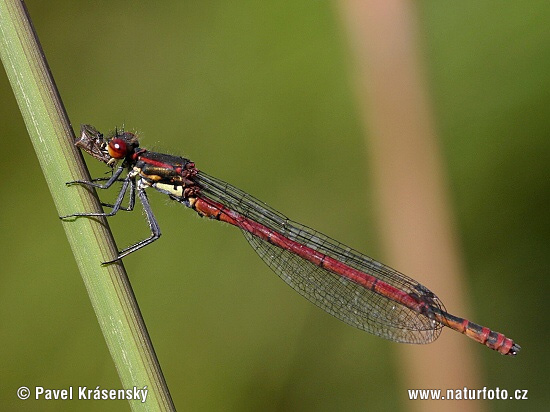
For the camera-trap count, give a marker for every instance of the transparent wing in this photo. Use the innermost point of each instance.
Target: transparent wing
(341, 297)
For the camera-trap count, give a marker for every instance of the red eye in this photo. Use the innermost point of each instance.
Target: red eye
(118, 148)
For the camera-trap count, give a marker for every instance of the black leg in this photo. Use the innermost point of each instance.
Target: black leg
(131, 203)
(128, 181)
(153, 225)
(114, 178)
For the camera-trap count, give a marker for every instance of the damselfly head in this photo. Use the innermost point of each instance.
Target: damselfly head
(119, 148)
(119, 145)
(122, 145)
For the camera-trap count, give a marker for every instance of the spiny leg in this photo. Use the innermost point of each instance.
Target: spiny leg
(128, 181)
(114, 178)
(153, 225)
(131, 202)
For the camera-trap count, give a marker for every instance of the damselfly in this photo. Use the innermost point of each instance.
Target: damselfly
(347, 284)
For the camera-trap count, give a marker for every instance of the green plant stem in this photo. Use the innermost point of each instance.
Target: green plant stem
(91, 240)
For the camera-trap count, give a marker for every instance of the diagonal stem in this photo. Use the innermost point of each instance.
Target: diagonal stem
(91, 240)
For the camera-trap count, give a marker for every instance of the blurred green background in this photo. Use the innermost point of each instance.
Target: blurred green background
(260, 95)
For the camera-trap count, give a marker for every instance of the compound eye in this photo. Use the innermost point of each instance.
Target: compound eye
(117, 148)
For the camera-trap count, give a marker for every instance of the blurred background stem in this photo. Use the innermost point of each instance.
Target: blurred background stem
(409, 179)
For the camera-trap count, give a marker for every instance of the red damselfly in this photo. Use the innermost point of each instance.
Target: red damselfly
(347, 284)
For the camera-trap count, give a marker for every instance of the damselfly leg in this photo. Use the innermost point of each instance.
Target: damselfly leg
(153, 225)
(127, 183)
